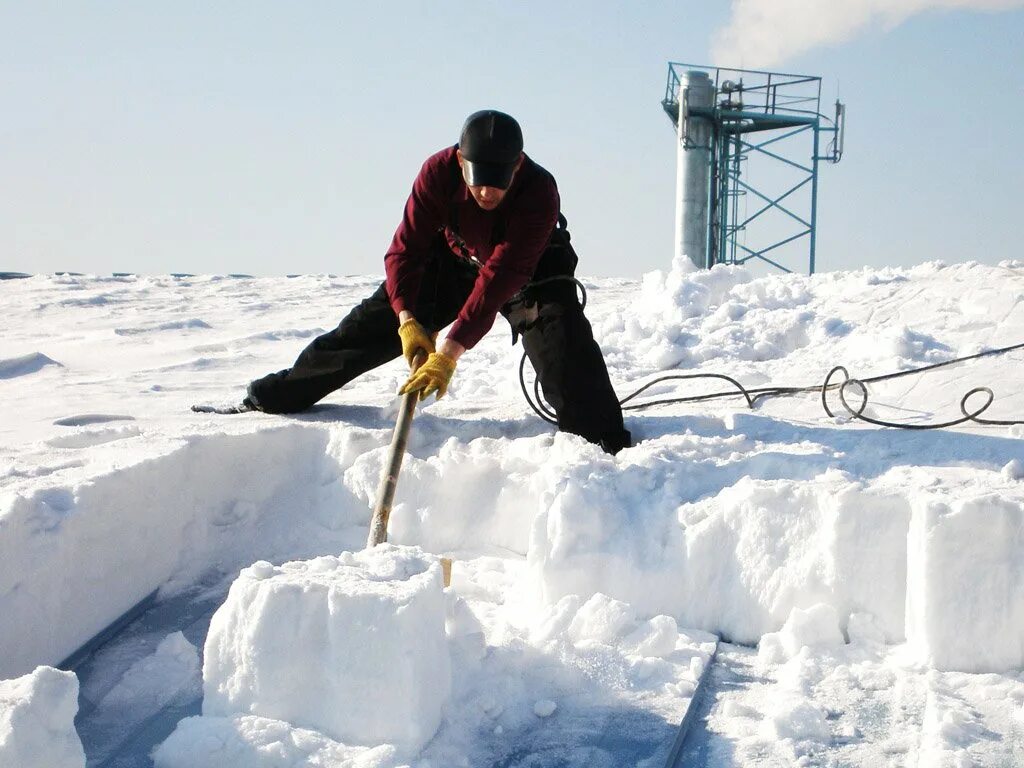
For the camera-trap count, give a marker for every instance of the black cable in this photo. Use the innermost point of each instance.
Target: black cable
(861, 384)
(538, 405)
(752, 396)
(669, 377)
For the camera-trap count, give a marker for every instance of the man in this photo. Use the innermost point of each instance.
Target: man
(481, 234)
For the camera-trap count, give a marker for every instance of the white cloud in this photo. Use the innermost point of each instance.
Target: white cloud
(763, 33)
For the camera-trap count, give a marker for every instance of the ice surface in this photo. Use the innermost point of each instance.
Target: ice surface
(861, 704)
(37, 713)
(172, 670)
(352, 646)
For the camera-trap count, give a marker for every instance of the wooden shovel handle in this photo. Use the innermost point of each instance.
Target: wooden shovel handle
(389, 480)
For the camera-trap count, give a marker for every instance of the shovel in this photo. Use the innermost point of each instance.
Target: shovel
(389, 480)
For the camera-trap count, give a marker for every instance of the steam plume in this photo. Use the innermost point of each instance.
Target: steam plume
(763, 33)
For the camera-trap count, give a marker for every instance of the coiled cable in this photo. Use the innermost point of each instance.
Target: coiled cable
(753, 396)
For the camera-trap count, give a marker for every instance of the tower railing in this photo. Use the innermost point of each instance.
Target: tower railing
(755, 101)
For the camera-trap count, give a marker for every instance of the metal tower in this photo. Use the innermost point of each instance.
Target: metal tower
(716, 112)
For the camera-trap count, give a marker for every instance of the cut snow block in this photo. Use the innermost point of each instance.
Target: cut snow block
(965, 584)
(37, 721)
(352, 646)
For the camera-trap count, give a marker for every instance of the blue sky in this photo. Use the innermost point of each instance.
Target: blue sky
(275, 138)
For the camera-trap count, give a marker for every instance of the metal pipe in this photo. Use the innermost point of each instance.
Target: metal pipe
(814, 201)
(693, 167)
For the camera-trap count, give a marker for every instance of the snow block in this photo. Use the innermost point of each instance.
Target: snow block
(74, 558)
(965, 584)
(37, 721)
(735, 564)
(351, 646)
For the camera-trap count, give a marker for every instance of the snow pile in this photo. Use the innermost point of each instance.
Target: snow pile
(37, 721)
(796, 719)
(877, 320)
(794, 722)
(353, 646)
(685, 318)
(817, 627)
(249, 741)
(643, 646)
(583, 682)
(790, 721)
(603, 621)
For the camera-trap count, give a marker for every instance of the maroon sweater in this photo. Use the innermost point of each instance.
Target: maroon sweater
(529, 211)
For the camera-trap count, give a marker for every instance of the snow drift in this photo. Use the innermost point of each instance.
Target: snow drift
(720, 519)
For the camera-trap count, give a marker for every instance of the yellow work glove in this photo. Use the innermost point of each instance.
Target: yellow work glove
(433, 376)
(414, 338)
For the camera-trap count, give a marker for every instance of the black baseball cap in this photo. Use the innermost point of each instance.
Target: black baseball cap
(491, 144)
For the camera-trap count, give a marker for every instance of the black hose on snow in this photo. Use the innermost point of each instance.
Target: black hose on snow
(753, 396)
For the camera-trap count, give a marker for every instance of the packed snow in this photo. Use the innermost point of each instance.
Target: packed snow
(332, 643)
(866, 583)
(37, 720)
